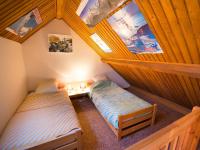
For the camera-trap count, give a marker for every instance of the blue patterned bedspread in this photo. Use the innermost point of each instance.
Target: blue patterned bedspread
(112, 101)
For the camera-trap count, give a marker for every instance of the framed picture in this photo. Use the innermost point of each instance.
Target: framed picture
(134, 31)
(26, 23)
(60, 43)
(93, 11)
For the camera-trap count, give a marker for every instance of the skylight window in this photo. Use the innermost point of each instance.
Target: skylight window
(100, 43)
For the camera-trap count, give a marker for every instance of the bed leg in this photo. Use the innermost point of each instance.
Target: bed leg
(154, 114)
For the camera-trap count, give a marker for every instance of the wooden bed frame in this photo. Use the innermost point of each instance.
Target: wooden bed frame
(183, 134)
(68, 142)
(134, 121)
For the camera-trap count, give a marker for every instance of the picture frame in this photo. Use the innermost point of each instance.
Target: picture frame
(60, 43)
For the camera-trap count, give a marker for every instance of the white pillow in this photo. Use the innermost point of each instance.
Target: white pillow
(47, 86)
(99, 78)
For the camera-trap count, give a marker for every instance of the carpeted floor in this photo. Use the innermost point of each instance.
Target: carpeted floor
(98, 136)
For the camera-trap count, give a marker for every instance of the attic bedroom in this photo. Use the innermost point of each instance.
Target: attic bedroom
(100, 74)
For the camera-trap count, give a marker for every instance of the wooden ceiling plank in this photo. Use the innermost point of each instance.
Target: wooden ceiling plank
(193, 9)
(152, 81)
(165, 85)
(145, 77)
(182, 91)
(139, 77)
(174, 84)
(185, 26)
(175, 28)
(190, 90)
(179, 95)
(152, 78)
(119, 70)
(133, 78)
(8, 8)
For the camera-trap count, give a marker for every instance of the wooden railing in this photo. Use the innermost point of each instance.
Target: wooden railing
(183, 134)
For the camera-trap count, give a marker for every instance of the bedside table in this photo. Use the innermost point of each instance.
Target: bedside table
(74, 90)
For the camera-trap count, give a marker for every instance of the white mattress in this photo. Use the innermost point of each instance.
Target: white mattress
(40, 120)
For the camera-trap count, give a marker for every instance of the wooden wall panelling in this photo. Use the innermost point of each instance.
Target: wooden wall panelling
(179, 93)
(184, 91)
(192, 96)
(156, 83)
(121, 71)
(158, 100)
(164, 86)
(166, 89)
(125, 72)
(135, 76)
(140, 79)
(149, 81)
(130, 76)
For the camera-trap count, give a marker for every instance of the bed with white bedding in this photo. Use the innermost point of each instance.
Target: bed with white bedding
(123, 111)
(43, 121)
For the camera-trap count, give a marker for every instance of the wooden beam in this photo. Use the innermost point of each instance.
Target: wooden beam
(60, 8)
(191, 70)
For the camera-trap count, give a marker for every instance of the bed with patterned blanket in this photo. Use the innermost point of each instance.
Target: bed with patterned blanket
(43, 121)
(124, 112)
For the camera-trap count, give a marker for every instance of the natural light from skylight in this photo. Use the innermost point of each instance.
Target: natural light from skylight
(100, 43)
